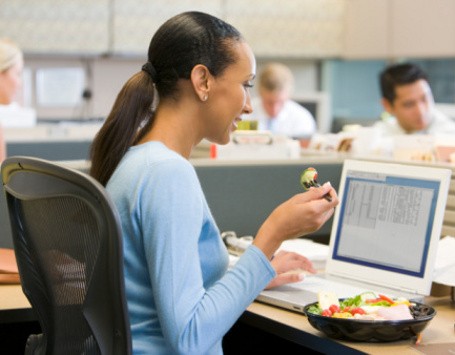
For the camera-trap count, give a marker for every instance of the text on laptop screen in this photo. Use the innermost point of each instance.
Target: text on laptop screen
(386, 221)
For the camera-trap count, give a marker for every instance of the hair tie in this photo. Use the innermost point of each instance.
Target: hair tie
(150, 70)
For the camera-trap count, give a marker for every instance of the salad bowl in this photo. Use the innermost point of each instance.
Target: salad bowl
(372, 330)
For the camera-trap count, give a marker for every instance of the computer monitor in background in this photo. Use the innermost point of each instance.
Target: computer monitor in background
(318, 104)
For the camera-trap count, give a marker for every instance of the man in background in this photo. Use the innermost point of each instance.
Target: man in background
(407, 98)
(274, 110)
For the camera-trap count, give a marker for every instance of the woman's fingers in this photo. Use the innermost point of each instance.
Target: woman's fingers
(302, 214)
(284, 279)
(285, 261)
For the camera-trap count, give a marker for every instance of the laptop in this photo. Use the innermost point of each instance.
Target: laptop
(384, 236)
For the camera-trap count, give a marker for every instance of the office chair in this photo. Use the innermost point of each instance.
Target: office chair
(68, 246)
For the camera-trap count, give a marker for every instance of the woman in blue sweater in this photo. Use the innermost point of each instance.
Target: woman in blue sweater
(195, 85)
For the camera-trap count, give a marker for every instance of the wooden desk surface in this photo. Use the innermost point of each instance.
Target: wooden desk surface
(298, 329)
(12, 297)
(14, 307)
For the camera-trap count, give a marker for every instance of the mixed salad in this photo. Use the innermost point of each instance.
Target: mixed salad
(365, 306)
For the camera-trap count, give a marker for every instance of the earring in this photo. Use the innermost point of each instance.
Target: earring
(205, 98)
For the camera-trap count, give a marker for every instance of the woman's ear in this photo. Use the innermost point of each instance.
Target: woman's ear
(200, 79)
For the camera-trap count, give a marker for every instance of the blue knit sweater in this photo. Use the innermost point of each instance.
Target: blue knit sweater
(181, 298)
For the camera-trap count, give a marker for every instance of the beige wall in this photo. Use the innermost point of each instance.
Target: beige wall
(105, 77)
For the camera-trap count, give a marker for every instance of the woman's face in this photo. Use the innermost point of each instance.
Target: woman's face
(229, 97)
(10, 83)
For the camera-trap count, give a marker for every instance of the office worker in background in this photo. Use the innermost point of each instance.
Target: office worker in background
(11, 66)
(273, 108)
(181, 297)
(408, 100)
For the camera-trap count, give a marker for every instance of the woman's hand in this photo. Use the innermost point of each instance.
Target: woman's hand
(302, 214)
(284, 262)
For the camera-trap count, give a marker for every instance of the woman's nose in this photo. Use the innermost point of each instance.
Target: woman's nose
(248, 109)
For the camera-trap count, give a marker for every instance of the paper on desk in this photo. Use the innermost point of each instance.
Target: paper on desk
(316, 252)
(444, 269)
(313, 251)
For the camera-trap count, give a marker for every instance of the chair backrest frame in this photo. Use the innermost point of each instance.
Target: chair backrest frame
(37, 192)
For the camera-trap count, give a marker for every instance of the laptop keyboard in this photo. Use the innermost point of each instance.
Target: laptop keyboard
(317, 284)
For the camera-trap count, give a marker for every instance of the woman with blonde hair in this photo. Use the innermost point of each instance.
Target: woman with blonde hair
(11, 66)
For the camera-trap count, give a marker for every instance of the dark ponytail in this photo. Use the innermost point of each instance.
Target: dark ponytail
(181, 43)
(130, 118)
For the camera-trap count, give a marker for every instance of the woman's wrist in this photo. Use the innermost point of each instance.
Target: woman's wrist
(267, 241)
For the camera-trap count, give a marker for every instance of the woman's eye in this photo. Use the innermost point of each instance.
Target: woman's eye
(248, 85)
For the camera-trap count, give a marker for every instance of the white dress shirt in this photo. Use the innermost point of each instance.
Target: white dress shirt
(293, 120)
(440, 124)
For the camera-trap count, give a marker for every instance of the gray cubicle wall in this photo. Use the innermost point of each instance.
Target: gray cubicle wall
(51, 150)
(242, 196)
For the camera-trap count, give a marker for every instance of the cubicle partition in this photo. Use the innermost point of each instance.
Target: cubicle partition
(241, 194)
(51, 150)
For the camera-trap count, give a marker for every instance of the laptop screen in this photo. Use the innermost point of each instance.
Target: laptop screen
(383, 215)
(389, 221)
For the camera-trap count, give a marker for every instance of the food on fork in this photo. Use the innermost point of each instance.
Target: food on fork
(309, 178)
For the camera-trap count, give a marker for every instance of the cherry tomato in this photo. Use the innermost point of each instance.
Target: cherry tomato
(326, 313)
(357, 310)
(334, 308)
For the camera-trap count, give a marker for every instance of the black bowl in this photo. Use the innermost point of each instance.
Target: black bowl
(372, 330)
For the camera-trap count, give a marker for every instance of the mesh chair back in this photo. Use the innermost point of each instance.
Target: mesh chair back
(67, 241)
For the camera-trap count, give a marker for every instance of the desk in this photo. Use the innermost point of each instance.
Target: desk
(14, 306)
(290, 326)
(295, 327)
(17, 320)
